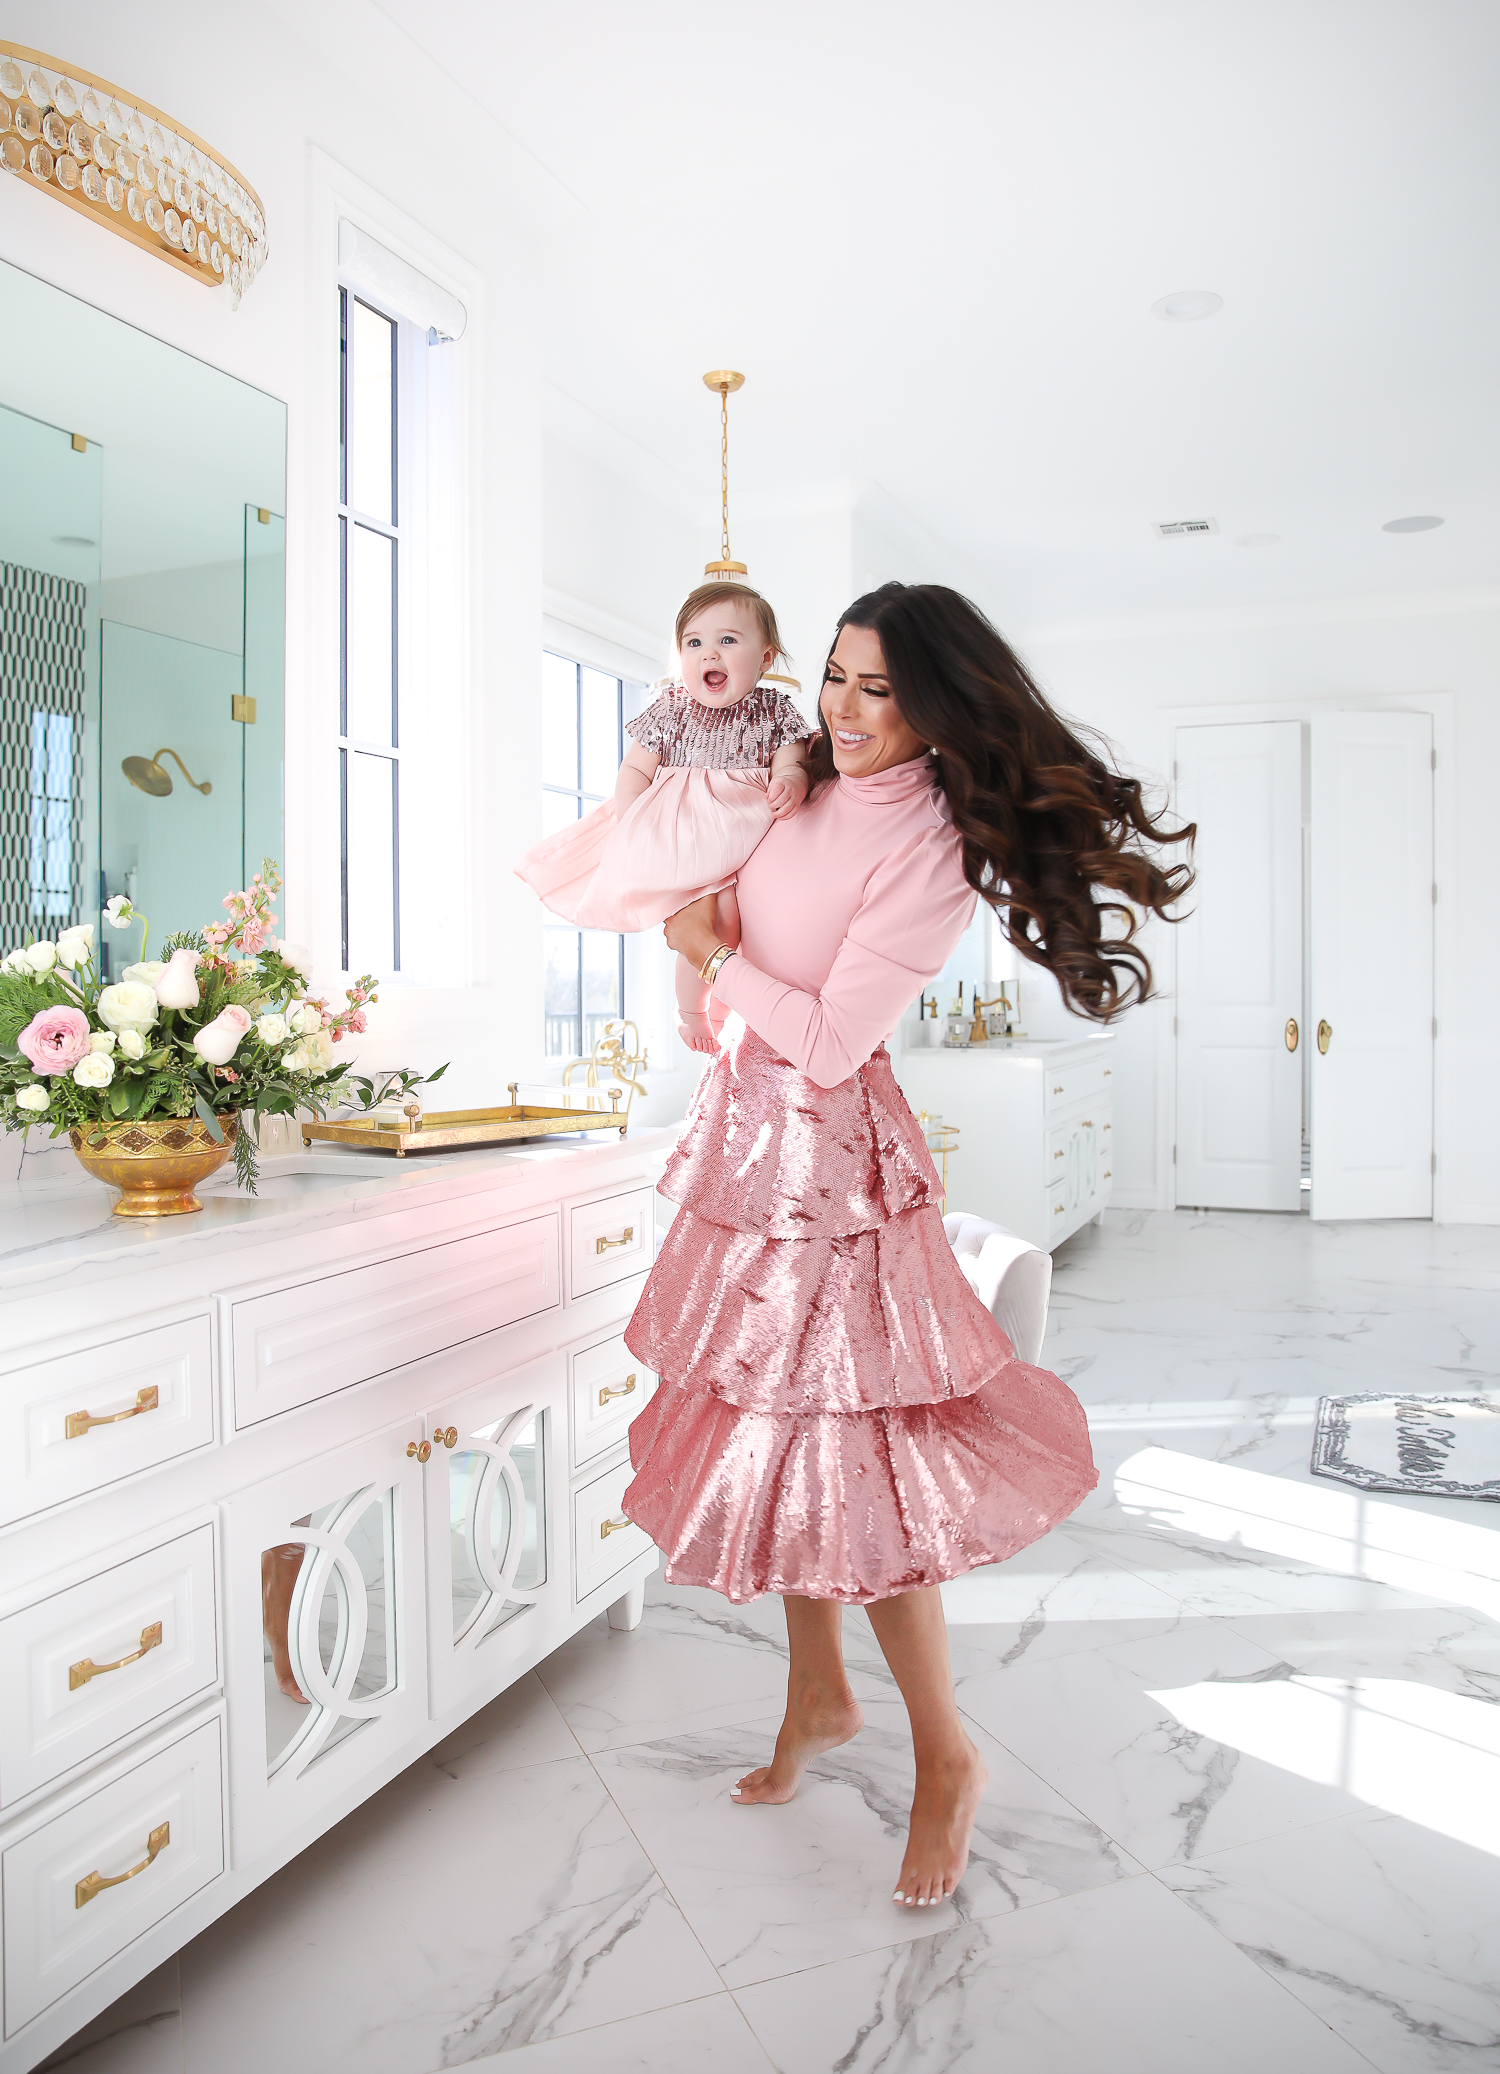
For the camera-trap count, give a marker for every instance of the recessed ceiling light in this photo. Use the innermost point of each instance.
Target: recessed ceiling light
(1187, 305)
(72, 540)
(1410, 525)
(1256, 539)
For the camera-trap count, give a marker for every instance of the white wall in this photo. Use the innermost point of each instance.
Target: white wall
(1128, 684)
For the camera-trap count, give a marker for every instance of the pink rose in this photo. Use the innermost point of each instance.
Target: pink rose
(55, 1040)
(221, 1039)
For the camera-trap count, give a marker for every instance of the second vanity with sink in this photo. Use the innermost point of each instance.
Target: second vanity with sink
(364, 1435)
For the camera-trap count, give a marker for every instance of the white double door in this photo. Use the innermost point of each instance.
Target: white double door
(1304, 972)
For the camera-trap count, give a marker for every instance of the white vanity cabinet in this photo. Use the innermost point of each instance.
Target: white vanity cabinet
(413, 1383)
(1036, 1129)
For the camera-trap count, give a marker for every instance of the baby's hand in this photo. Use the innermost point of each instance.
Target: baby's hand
(786, 792)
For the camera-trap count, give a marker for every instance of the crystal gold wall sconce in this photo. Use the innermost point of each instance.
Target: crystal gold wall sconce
(115, 158)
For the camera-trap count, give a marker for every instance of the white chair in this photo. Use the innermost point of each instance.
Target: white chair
(1011, 1278)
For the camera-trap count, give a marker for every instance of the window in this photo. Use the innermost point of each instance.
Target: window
(583, 740)
(51, 816)
(369, 676)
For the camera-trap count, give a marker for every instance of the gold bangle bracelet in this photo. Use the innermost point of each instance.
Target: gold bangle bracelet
(708, 971)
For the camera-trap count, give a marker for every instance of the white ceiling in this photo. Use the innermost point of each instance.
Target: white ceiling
(931, 235)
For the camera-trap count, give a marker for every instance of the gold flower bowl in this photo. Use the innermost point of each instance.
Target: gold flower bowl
(156, 1165)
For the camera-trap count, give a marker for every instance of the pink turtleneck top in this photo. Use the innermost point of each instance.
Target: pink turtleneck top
(847, 911)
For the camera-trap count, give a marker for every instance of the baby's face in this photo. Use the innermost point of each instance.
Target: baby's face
(722, 654)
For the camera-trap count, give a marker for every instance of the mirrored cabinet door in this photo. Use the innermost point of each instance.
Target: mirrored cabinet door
(496, 1482)
(327, 1624)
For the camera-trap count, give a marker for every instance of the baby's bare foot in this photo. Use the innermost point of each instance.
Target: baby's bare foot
(820, 1722)
(943, 1809)
(696, 1032)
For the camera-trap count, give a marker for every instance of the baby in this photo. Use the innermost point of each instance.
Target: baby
(712, 762)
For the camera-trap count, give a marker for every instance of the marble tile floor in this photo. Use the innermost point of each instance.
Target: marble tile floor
(1244, 1806)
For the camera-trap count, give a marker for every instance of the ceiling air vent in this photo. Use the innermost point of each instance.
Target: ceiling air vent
(1178, 529)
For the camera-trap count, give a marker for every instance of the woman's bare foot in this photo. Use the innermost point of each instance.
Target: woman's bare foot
(820, 1722)
(943, 1809)
(696, 1032)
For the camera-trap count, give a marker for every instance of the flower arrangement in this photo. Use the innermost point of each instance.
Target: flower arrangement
(223, 1023)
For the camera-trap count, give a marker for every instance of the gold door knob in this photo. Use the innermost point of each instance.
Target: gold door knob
(612, 1526)
(1325, 1033)
(81, 1672)
(448, 1435)
(422, 1449)
(603, 1245)
(77, 1423)
(623, 1390)
(96, 1883)
(1292, 1033)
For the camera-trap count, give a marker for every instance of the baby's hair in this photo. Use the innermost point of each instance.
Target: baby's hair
(712, 593)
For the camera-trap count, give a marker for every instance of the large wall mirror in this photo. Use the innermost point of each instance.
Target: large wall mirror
(142, 623)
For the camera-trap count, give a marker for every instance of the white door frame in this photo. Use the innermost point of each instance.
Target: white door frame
(1445, 949)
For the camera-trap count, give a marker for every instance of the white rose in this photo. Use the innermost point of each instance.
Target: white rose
(128, 1005)
(297, 955)
(101, 1040)
(147, 973)
(41, 957)
(271, 1028)
(15, 961)
(132, 1045)
(305, 1020)
(118, 912)
(75, 945)
(35, 1098)
(97, 1070)
(319, 1049)
(296, 1060)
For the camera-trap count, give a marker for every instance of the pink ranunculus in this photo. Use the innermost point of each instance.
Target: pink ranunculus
(219, 1040)
(55, 1040)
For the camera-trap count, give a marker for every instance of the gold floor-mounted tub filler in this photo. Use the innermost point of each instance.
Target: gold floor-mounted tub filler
(156, 1165)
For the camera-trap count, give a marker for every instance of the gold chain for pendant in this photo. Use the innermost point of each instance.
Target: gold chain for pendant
(724, 462)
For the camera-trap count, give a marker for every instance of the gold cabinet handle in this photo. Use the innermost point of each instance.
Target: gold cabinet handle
(1057, 1090)
(612, 1526)
(78, 1423)
(1292, 1033)
(1108, 1173)
(1061, 1153)
(1325, 1032)
(448, 1435)
(422, 1449)
(603, 1245)
(1058, 1208)
(623, 1390)
(1087, 1124)
(81, 1672)
(1109, 1072)
(96, 1883)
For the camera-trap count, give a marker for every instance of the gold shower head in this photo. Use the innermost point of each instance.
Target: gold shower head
(147, 774)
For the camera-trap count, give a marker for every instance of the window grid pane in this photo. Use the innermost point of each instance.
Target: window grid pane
(369, 691)
(582, 743)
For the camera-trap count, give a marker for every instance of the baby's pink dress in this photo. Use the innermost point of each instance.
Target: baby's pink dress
(688, 833)
(839, 1415)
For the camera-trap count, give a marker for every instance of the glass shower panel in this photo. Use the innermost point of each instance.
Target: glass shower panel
(265, 678)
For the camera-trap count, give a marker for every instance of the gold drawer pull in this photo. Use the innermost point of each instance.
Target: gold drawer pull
(1109, 1072)
(623, 1390)
(81, 1672)
(448, 1435)
(1061, 1153)
(421, 1449)
(1058, 1089)
(1088, 1123)
(1058, 1209)
(1108, 1171)
(78, 1423)
(613, 1526)
(603, 1245)
(96, 1883)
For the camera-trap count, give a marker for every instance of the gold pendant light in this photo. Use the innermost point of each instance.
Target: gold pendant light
(724, 379)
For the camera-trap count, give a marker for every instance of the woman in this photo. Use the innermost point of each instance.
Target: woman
(840, 1419)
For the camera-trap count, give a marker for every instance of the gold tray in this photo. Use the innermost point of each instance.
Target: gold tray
(441, 1129)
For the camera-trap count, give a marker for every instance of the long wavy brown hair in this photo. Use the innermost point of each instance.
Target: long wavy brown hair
(1051, 829)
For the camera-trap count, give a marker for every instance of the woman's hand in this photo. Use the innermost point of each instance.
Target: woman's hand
(691, 931)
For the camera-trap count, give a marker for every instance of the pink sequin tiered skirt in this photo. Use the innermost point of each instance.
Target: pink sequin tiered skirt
(839, 1416)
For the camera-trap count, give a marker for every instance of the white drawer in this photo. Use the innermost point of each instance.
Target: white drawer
(601, 1546)
(292, 1346)
(51, 1942)
(73, 1424)
(1057, 1209)
(104, 1659)
(610, 1240)
(609, 1387)
(1064, 1085)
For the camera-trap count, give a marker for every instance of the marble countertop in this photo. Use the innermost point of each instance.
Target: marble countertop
(1057, 1049)
(56, 1221)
